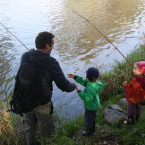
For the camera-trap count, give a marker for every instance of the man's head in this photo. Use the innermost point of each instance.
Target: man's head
(44, 40)
(92, 74)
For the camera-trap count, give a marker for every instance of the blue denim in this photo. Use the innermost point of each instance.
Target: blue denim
(90, 119)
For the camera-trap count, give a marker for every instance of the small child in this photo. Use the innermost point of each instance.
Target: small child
(90, 97)
(135, 92)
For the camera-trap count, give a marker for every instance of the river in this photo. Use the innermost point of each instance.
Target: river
(77, 44)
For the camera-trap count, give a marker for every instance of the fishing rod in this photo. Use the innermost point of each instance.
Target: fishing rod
(15, 36)
(103, 36)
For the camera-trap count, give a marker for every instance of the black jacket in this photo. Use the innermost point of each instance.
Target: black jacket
(53, 67)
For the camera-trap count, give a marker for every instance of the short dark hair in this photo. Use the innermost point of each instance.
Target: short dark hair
(43, 38)
(92, 73)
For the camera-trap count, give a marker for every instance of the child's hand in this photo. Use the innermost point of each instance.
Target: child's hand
(70, 76)
(78, 90)
(124, 83)
(74, 85)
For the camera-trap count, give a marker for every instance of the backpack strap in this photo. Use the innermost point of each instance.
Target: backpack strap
(13, 110)
(51, 112)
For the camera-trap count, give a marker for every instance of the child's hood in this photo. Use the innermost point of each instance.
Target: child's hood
(141, 65)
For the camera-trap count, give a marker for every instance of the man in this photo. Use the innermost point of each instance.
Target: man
(42, 114)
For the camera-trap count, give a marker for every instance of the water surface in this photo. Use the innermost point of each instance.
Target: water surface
(77, 44)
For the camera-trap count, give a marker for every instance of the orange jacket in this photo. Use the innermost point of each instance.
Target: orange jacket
(135, 90)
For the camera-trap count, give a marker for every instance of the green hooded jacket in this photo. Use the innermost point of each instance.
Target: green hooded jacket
(90, 94)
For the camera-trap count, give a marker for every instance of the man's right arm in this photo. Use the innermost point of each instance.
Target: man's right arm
(59, 78)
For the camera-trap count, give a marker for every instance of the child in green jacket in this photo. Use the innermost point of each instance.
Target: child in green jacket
(90, 97)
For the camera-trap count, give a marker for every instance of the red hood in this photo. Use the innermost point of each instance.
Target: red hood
(141, 65)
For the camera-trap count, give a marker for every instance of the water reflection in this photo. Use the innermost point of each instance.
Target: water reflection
(6, 59)
(77, 44)
(116, 19)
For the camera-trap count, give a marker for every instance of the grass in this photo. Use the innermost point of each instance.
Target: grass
(121, 72)
(10, 132)
(69, 131)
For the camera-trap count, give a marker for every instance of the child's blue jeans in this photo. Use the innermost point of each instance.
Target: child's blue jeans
(90, 119)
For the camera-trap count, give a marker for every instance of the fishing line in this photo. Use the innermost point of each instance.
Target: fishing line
(103, 36)
(15, 36)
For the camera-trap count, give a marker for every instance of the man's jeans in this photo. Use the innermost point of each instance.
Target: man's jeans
(45, 122)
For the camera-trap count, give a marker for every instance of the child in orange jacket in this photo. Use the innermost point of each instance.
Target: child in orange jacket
(135, 92)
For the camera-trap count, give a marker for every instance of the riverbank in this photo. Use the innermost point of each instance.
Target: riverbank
(69, 131)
